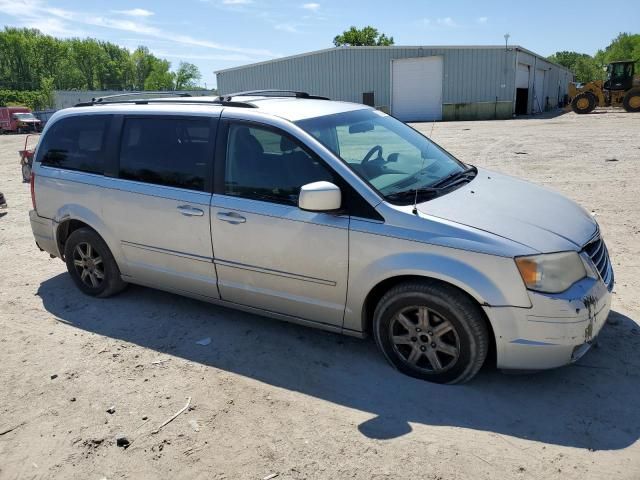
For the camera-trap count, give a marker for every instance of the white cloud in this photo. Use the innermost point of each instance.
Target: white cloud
(286, 27)
(135, 12)
(195, 56)
(236, 2)
(446, 22)
(54, 27)
(482, 20)
(311, 6)
(38, 13)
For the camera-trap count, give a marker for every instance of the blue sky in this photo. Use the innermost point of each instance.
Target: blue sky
(217, 34)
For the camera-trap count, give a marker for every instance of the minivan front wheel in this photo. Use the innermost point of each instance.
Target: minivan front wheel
(91, 264)
(432, 332)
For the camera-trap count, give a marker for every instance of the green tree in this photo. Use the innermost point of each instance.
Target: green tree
(17, 68)
(141, 64)
(117, 73)
(364, 37)
(90, 59)
(186, 76)
(48, 97)
(625, 46)
(160, 78)
(585, 67)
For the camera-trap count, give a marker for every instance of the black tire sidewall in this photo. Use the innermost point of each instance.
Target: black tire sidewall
(111, 271)
(468, 343)
(592, 103)
(627, 98)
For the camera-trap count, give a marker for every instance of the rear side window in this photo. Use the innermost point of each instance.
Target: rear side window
(166, 151)
(76, 143)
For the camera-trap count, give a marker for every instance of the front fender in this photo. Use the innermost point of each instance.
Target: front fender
(489, 279)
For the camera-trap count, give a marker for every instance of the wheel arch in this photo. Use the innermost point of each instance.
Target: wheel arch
(378, 291)
(73, 217)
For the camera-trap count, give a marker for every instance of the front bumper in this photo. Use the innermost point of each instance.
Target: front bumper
(557, 330)
(43, 231)
(31, 126)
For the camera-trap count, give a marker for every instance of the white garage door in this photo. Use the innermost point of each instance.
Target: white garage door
(522, 76)
(538, 91)
(417, 88)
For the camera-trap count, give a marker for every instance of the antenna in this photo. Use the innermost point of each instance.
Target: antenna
(506, 41)
(415, 199)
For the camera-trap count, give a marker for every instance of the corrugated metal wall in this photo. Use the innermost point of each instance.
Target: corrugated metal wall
(556, 79)
(471, 74)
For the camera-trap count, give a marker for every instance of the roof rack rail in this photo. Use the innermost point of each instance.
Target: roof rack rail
(275, 92)
(147, 101)
(135, 94)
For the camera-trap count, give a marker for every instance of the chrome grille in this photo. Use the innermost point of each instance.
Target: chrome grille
(597, 251)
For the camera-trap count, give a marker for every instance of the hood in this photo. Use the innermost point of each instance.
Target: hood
(517, 210)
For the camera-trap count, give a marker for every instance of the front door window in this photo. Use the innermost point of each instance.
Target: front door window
(265, 165)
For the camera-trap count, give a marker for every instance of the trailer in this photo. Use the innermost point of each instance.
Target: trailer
(26, 156)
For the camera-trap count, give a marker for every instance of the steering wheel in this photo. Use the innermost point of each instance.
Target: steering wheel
(370, 153)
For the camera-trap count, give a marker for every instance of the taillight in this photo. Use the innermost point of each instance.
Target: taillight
(33, 189)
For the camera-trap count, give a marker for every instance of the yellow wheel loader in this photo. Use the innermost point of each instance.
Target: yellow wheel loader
(620, 89)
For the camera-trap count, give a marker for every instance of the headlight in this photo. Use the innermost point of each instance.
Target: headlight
(551, 273)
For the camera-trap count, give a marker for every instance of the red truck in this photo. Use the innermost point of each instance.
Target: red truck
(18, 119)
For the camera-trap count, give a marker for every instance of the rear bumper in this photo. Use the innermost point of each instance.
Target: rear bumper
(556, 331)
(43, 232)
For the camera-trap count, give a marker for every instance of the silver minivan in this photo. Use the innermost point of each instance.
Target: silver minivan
(328, 214)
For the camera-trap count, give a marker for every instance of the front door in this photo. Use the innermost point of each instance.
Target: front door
(269, 254)
(158, 207)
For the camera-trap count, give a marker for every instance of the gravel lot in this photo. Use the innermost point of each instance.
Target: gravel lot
(271, 398)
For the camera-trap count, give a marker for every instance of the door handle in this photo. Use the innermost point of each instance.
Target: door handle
(231, 217)
(190, 211)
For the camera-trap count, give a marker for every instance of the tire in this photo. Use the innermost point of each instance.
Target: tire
(631, 100)
(83, 247)
(584, 102)
(443, 326)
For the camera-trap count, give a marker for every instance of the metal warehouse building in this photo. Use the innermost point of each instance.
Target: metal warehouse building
(416, 83)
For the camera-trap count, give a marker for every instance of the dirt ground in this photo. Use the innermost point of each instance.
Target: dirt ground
(269, 398)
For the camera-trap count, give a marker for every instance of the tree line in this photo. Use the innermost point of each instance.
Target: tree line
(33, 64)
(625, 46)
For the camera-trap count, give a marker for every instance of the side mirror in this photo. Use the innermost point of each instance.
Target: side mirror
(320, 197)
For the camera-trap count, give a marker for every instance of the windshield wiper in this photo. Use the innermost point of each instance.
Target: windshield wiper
(410, 195)
(450, 179)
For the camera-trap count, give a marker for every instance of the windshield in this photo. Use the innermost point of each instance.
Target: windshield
(24, 116)
(618, 70)
(391, 156)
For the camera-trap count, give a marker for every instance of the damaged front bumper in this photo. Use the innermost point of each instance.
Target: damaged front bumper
(558, 329)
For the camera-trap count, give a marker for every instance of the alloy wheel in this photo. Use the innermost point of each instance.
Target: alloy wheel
(424, 339)
(88, 264)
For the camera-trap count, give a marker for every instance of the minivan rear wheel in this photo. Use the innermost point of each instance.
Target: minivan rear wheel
(91, 264)
(432, 332)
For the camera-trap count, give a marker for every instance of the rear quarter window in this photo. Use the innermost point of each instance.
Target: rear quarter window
(76, 143)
